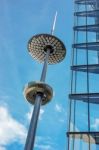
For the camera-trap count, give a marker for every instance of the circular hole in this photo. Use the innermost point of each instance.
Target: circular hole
(49, 47)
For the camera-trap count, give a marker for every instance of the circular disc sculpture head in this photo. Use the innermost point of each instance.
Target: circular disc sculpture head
(39, 44)
(34, 88)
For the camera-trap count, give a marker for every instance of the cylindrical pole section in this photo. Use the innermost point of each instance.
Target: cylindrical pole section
(35, 115)
(43, 76)
(33, 124)
(97, 147)
(97, 23)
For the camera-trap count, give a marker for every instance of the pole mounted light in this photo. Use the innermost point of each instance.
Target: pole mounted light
(47, 49)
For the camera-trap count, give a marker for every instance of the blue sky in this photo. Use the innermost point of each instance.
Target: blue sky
(20, 20)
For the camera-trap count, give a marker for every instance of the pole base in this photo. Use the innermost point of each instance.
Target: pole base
(33, 88)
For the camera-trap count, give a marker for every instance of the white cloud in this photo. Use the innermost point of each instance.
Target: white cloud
(10, 129)
(41, 113)
(44, 143)
(2, 148)
(61, 120)
(29, 114)
(96, 124)
(58, 108)
(61, 113)
(72, 127)
(43, 147)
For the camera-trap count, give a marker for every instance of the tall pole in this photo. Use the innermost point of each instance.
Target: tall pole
(97, 23)
(43, 76)
(97, 39)
(35, 115)
(48, 49)
(38, 99)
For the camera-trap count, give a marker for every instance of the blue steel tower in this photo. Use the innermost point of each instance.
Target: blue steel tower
(83, 133)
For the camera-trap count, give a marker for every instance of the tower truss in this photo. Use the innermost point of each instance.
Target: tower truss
(84, 95)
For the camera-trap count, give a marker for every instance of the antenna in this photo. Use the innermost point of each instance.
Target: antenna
(54, 23)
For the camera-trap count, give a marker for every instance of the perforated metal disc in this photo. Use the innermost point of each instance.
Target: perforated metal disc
(39, 44)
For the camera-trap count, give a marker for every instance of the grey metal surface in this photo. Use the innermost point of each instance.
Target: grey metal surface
(38, 45)
(33, 124)
(85, 97)
(92, 13)
(90, 46)
(94, 136)
(34, 88)
(92, 68)
(88, 2)
(88, 28)
(97, 22)
(43, 75)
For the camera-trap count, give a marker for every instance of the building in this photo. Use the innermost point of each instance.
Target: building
(84, 95)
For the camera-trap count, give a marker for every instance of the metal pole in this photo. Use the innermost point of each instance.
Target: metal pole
(43, 76)
(97, 147)
(35, 115)
(97, 22)
(33, 124)
(54, 23)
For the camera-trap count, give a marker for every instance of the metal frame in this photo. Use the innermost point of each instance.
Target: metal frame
(94, 135)
(92, 13)
(90, 28)
(87, 97)
(90, 46)
(93, 97)
(92, 68)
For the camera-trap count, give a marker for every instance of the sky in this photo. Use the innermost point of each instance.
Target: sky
(20, 20)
